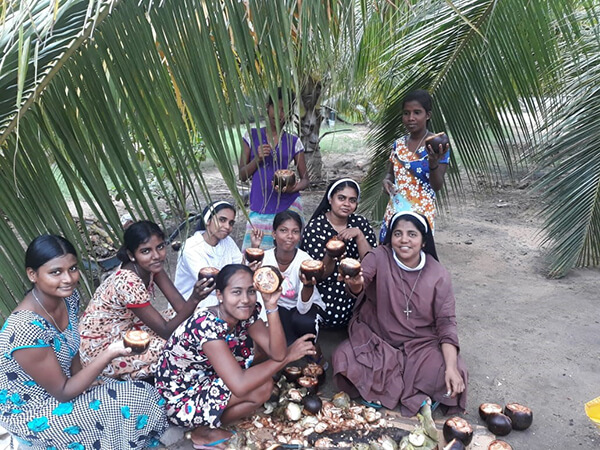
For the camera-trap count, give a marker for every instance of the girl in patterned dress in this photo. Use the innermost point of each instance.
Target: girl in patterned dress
(206, 374)
(124, 301)
(335, 217)
(47, 399)
(415, 173)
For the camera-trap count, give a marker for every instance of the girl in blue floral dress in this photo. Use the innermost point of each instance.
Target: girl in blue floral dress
(206, 373)
(47, 400)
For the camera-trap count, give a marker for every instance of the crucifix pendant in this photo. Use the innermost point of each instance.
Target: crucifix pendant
(407, 311)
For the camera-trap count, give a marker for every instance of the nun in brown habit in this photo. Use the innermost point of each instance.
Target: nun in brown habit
(403, 345)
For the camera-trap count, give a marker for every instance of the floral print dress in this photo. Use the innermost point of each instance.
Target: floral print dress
(195, 394)
(413, 189)
(113, 415)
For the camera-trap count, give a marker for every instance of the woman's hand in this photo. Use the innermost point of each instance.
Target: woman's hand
(256, 237)
(117, 348)
(434, 155)
(454, 382)
(306, 282)
(389, 187)
(202, 289)
(355, 284)
(271, 300)
(263, 151)
(301, 347)
(254, 265)
(286, 189)
(348, 234)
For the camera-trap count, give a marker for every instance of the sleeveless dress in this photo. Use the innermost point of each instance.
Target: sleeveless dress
(114, 415)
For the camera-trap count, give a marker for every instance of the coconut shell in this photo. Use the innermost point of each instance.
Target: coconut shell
(208, 273)
(436, 140)
(521, 416)
(254, 254)
(312, 268)
(137, 340)
(459, 429)
(335, 247)
(267, 279)
(350, 267)
(284, 179)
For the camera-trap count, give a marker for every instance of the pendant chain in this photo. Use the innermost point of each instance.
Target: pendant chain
(407, 311)
(45, 310)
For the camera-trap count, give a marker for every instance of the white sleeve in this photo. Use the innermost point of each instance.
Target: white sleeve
(189, 263)
(298, 148)
(304, 307)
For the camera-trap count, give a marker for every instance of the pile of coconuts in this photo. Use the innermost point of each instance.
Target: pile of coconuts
(500, 421)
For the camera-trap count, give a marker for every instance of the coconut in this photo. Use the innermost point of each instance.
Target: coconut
(499, 424)
(436, 140)
(254, 254)
(292, 373)
(521, 416)
(499, 445)
(459, 429)
(267, 279)
(335, 247)
(208, 273)
(350, 267)
(310, 383)
(312, 269)
(312, 403)
(485, 409)
(314, 370)
(176, 245)
(137, 340)
(284, 179)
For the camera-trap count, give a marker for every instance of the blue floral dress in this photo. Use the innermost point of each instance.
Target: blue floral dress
(195, 394)
(114, 415)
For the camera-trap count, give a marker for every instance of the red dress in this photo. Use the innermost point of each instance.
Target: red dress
(393, 359)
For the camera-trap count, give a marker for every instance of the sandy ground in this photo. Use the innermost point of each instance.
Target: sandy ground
(525, 338)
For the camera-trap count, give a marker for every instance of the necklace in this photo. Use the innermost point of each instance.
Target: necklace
(420, 142)
(45, 310)
(281, 263)
(150, 287)
(407, 311)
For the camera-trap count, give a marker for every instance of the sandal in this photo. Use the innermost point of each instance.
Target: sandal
(375, 404)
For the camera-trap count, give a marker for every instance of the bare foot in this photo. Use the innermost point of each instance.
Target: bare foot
(206, 435)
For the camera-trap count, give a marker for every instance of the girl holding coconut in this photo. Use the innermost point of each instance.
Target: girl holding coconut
(124, 302)
(335, 217)
(47, 398)
(416, 170)
(206, 374)
(404, 325)
(260, 160)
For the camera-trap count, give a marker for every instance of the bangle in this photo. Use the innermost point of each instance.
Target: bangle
(271, 311)
(434, 168)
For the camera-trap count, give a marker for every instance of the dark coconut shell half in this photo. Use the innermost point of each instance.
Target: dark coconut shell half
(436, 140)
(137, 340)
(176, 245)
(499, 424)
(292, 373)
(267, 279)
(310, 383)
(314, 370)
(459, 429)
(485, 409)
(499, 445)
(208, 273)
(454, 444)
(254, 254)
(350, 267)
(521, 416)
(312, 269)
(335, 247)
(283, 179)
(312, 403)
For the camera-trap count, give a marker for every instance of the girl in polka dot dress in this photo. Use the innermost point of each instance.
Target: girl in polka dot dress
(335, 217)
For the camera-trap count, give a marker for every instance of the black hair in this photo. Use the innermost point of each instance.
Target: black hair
(45, 248)
(421, 96)
(227, 272)
(201, 224)
(325, 204)
(282, 216)
(280, 93)
(429, 247)
(137, 234)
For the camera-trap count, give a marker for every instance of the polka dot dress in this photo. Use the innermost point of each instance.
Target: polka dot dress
(316, 234)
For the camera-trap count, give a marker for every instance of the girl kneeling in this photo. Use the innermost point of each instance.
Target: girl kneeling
(206, 373)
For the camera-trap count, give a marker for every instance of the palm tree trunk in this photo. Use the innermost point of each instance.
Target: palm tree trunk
(310, 127)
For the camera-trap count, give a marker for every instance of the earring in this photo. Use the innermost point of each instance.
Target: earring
(132, 259)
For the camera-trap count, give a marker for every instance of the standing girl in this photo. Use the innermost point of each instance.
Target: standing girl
(300, 304)
(205, 372)
(124, 301)
(47, 399)
(335, 217)
(415, 172)
(260, 160)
